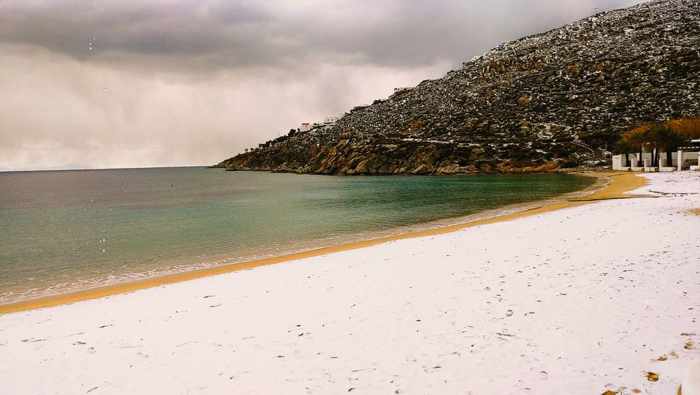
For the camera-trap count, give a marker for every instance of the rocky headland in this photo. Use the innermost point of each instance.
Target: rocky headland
(553, 100)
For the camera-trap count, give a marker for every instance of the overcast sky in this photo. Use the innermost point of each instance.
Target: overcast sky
(124, 83)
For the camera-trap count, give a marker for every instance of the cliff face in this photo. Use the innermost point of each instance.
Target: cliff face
(555, 99)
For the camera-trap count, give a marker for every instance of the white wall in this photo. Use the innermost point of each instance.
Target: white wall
(690, 158)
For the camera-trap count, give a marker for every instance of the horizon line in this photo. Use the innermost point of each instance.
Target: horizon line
(100, 168)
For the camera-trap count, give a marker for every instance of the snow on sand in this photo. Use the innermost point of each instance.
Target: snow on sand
(575, 301)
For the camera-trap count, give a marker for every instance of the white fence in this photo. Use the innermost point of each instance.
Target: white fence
(689, 161)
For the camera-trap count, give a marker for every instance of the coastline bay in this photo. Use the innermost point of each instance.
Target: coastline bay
(76, 230)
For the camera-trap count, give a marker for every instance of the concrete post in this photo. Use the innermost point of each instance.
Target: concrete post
(680, 160)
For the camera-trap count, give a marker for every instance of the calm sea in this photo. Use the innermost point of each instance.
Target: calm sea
(67, 230)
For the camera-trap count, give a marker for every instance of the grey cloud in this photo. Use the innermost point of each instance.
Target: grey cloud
(89, 29)
(61, 112)
(245, 33)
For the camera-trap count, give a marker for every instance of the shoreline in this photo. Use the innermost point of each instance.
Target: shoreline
(609, 185)
(185, 264)
(592, 299)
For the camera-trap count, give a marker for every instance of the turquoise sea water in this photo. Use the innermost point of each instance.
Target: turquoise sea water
(67, 230)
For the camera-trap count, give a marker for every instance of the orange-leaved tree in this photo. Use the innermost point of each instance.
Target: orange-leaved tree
(687, 127)
(636, 139)
(667, 139)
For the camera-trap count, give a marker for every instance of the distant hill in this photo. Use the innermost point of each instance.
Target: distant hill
(552, 100)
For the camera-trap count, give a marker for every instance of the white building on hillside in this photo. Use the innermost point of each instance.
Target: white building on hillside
(330, 120)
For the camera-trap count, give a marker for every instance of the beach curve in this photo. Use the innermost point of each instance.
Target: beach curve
(609, 186)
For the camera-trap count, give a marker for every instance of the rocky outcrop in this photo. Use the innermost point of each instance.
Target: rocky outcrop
(556, 99)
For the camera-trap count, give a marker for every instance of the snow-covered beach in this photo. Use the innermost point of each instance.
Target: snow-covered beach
(577, 301)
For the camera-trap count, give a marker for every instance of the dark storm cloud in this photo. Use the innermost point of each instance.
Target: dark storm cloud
(133, 83)
(398, 33)
(84, 29)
